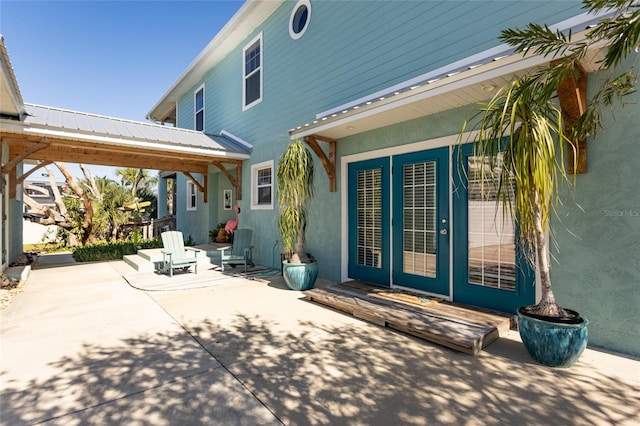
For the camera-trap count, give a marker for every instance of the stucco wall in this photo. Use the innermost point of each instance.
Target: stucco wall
(598, 231)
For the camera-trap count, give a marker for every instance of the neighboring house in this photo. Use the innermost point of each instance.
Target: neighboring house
(383, 88)
(42, 193)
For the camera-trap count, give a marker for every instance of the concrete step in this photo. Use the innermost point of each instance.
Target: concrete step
(140, 263)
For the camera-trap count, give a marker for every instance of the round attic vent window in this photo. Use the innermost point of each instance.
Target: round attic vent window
(299, 20)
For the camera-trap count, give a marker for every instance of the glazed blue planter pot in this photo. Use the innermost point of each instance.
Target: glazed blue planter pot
(300, 276)
(552, 343)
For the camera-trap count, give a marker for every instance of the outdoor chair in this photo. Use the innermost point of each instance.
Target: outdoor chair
(240, 253)
(175, 255)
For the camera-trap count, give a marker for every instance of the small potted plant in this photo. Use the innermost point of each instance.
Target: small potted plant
(294, 177)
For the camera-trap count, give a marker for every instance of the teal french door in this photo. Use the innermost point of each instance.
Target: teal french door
(369, 223)
(412, 249)
(400, 230)
(489, 269)
(421, 220)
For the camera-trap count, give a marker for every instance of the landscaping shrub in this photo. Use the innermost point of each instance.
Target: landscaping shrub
(112, 251)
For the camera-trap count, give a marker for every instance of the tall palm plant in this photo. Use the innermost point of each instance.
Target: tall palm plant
(294, 177)
(523, 128)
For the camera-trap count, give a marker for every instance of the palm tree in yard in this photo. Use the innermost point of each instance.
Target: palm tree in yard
(523, 128)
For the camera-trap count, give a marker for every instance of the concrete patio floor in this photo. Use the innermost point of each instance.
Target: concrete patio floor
(80, 346)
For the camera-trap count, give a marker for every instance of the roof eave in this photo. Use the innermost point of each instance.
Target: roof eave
(239, 27)
(10, 85)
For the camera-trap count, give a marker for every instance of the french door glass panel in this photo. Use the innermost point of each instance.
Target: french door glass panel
(369, 218)
(369, 221)
(492, 244)
(419, 219)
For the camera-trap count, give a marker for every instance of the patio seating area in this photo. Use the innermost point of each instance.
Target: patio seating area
(82, 346)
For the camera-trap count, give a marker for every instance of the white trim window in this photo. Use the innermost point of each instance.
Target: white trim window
(262, 193)
(198, 108)
(252, 73)
(192, 196)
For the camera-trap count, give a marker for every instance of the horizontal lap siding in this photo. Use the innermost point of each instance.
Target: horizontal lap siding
(352, 49)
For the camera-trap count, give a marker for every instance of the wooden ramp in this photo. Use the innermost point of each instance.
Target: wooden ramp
(458, 327)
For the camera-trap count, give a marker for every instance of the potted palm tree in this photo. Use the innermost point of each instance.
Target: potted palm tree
(521, 135)
(294, 177)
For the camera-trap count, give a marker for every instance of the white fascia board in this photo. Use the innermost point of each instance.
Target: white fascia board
(246, 20)
(108, 140)
(235, 138)
(10, 81)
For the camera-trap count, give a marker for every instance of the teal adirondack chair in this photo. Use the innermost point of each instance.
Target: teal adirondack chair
(176, 255)
(240, 253)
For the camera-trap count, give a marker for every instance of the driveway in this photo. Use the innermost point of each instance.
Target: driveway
(80, 346)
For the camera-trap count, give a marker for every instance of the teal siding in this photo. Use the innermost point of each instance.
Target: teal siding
(352, 49)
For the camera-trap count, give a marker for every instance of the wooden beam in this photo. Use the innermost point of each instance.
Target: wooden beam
(40, 165)
(236, 181)
(13, 184)
(202, 188)
(328, 162)
(19, 158)
(572, 96)
(205, 191)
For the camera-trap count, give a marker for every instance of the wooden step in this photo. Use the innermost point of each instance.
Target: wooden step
(454, 326)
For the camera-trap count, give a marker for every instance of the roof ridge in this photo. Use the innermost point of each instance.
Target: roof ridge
(124, 120)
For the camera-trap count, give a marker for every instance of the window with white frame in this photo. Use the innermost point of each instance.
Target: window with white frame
(192, 196)
(252, 73)
(262, 186)
(198, 99)
(299, 19)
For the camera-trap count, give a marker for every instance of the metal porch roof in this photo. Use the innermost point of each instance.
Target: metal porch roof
(55, 134)
(465, 82)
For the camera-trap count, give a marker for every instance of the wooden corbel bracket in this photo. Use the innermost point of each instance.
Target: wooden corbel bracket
(11, 165)
(236, 181)
(572, 96)
(329, 162)
(201, 187)
(9, 168)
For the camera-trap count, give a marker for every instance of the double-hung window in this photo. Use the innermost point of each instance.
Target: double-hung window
(252, 73)
(198, 100)
(262, 186)
(192, 196)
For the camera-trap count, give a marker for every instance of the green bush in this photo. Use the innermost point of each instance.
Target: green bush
(112, 251)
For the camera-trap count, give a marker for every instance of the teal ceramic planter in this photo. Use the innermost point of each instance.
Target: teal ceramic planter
(300, 276)
(551, 343)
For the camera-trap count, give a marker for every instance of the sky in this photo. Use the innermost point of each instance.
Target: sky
(113, 58)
